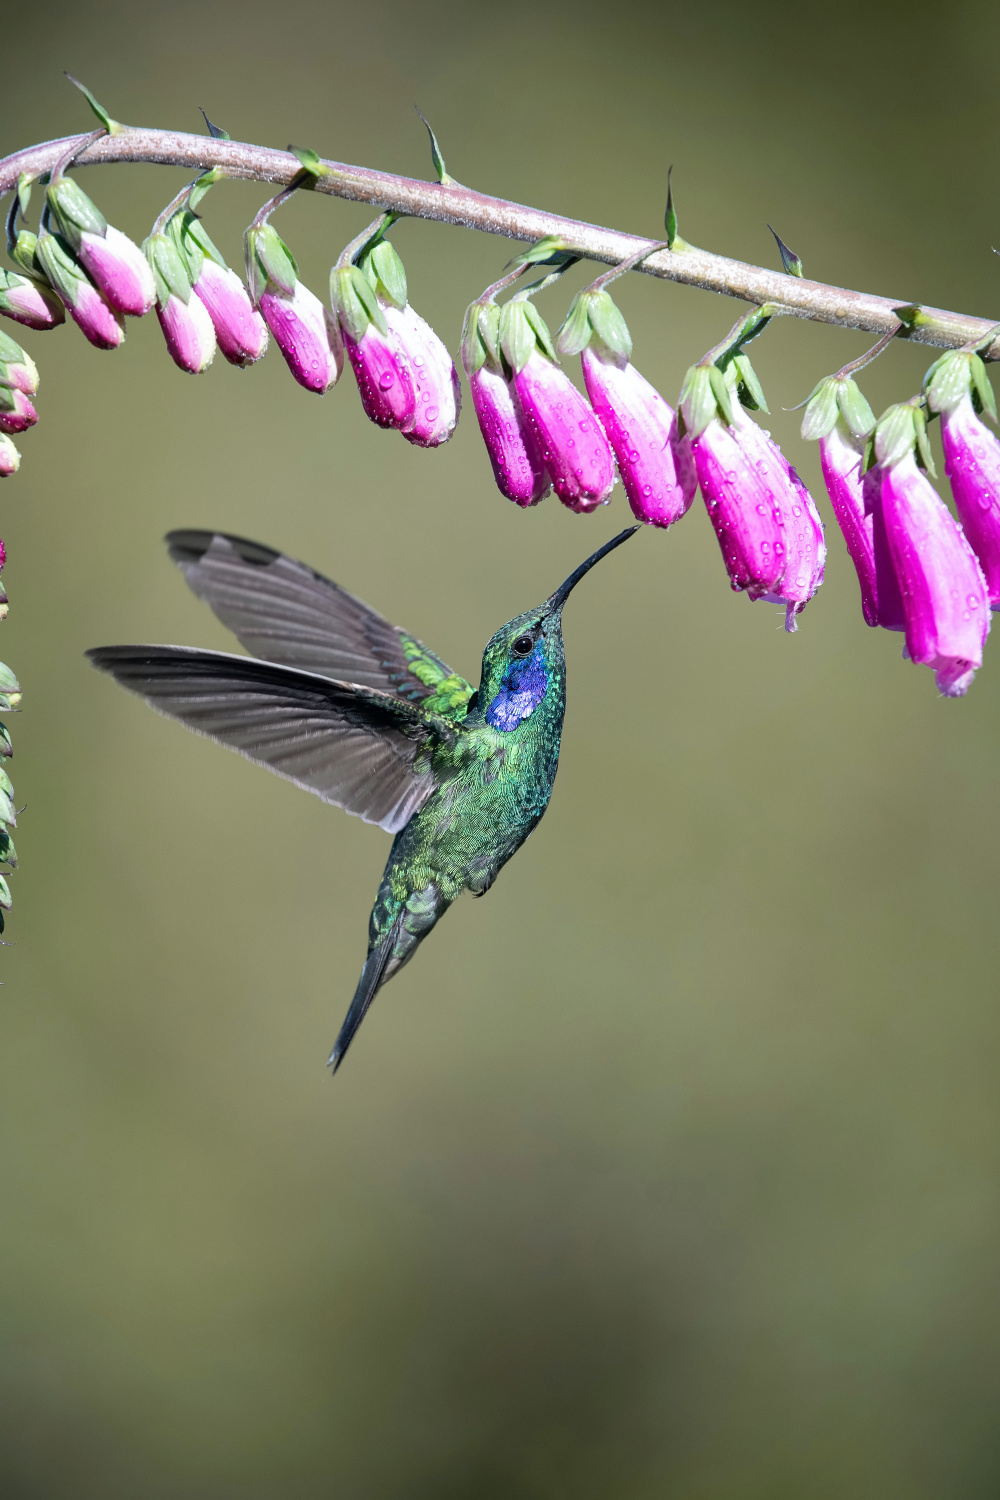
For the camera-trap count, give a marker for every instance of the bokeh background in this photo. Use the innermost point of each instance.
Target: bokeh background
(672, 1167)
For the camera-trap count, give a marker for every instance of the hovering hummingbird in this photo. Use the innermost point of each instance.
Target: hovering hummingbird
(363, 714)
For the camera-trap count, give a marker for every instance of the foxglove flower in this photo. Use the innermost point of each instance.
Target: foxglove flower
(10, 459)
(378, 359)
(16, 411)
(767, 525)
(17, 369)
(116, 266)
(566, 432)
(187, 327)
(838, 415)
(29, 301)
(656, 470)
(406, 377)
(956, 385)
(942, 595)
(303, 330)
(517, 464)
(239, 328)
(89, 309)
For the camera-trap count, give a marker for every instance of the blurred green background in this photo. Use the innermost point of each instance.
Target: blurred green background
(672, 1167)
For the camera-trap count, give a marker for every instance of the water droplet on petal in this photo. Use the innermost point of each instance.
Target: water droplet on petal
(431, 413)
(385, 381)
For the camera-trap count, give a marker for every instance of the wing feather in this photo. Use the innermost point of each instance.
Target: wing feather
(284, 611)
(351, 746)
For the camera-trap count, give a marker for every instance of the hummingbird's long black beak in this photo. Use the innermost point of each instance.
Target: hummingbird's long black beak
(556, 601)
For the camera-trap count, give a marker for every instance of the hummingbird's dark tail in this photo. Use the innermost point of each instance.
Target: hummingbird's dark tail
(368, 985)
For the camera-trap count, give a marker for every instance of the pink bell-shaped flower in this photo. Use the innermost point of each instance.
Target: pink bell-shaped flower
(102, 324)
(187, 327)
(10, 459)
(958, 388)
(117, 267)
(239, 328)
(517, 464)
(303, 330)
(29, 301)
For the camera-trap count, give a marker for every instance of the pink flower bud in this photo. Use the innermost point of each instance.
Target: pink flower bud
(101, 324)
(569, 436)
(972, 459)
(943, 595)
(16, 411)
(239, 328)
(187, 329)
(382, 370)
(306, 335)
(29, 302)
(10, 459)
(841, 453)
(437, 398)
(656, 469)
(119, 269)
(517, 464)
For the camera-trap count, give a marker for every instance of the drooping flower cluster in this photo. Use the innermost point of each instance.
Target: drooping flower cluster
(767, 525)
(920, 572)
(405, 375)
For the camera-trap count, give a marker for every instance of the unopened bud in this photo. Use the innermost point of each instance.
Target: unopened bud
(116, 265)
(5, 900)
(6, 748)
(8, 812)
(17, 369)
(8, 854)
(239, 328)
(187, 327)
(88, 308)
(29, 301)
(10, 459)
(16, 411)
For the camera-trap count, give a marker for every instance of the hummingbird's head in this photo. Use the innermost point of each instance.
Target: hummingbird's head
(526, 655)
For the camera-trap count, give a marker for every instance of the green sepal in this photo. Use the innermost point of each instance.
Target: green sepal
(11, 352)
(609, 325)
(517, 336)
(24, 253)
(854, 408)
(8, 812)
(5, 785)
(74, 212)
(948, 381)
(275, 259)
(354, 301)
(8, 397)
(169, 269)
(574, 335)
(5, 900)
(540, 329)
(8, 682)
(895, 435)
(6, 748)
(721, 392)
(820, 416)
(748, 387)
(481, 336)
(60, 266)
(924, 456)
(201, 184)
(8, 854)
(309, 161)
(984, 389)
(24, 185)
(9, 282)
(110, 125)
(384, 271)
(10, 703)
(699, 399)
(194, 242)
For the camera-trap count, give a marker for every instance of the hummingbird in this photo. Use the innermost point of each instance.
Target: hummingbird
(364, 715)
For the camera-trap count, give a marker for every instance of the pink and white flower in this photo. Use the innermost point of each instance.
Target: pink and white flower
(188, 332)
(971, 454)
(572, 442)
(239, 328)
(657, 470)
(436, 395)
(17, 413)
(119, 269)
(306, 336)
(102, 324)
(927, 573)
(517, 464)
(10, 459)
(30, 302)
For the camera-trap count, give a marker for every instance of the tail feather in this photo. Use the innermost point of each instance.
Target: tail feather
(371, 979)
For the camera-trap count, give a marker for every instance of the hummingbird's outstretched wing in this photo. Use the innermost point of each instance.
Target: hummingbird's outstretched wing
(363, 750)
(284, 611)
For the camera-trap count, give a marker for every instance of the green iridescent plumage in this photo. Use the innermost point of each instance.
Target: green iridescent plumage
(363, 714)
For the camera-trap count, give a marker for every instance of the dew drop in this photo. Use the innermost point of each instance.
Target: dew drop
(765, 547)
(778, 549)
(385, 381)
(973, 601)
(762, 510)
(796, 510)
(647, 489)
(431, 413)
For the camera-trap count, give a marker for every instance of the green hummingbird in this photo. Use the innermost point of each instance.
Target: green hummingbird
(361, 713)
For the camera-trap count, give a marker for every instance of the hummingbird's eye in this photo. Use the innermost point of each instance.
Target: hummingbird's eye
(522, 646)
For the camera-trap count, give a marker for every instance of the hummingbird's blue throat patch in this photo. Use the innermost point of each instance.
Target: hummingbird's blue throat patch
(522, 687)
